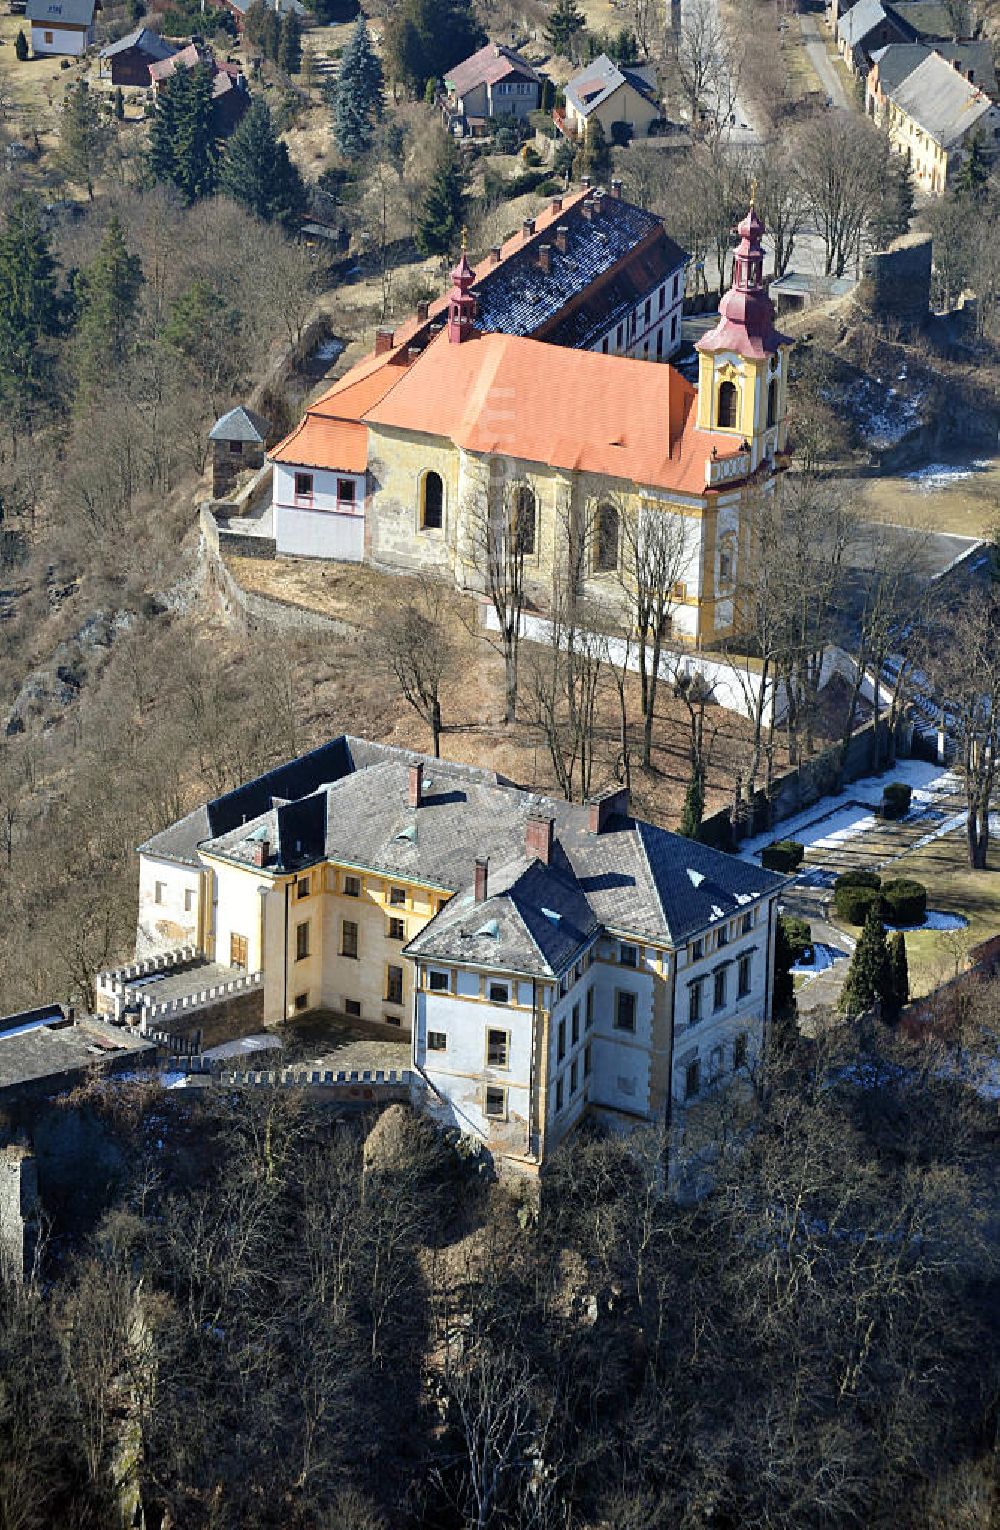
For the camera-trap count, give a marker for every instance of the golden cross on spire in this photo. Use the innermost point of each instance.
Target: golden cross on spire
(753, 190)
(465, 238)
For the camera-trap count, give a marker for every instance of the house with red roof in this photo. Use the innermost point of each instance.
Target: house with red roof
(446, 422)
(495, 82)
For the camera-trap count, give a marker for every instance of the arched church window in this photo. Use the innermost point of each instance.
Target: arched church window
(432, 502)
(523, 514)
(772, 403)
(606, 550)
(728, 400)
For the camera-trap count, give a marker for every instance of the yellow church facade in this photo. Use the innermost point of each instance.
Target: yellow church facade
(426, 444)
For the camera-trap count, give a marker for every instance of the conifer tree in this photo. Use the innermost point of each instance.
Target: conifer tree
(82, 137)
(444, 205)
(900, 972)
(108, 292)
(21, 48)
(565, 27)
(270, 35)
(258, 172)
(29, 305)
(425, 38)
(593, 157)
(182, 146)
(974, 171)
(290, 44)
(694, 806)
(119, 106)
(359, 94)
(869, 977)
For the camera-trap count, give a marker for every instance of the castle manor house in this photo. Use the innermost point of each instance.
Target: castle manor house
(447, 426)
(548, 959)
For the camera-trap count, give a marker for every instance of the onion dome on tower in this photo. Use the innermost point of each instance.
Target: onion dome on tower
(746, 313)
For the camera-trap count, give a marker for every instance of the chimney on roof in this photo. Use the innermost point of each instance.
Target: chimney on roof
(616, 189)
(605, 806)
(562, 235)
(415, 786)
(585, 182)
(598, 200)
(261, 853)
(557, 204)
(538, 834)
(545, 258)
(423, 309)
(482, 880)
(495, 254)
(528, 227)
(384, 337)
(587, 208)
(412, 352)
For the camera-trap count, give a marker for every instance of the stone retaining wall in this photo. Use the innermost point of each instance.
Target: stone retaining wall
(248, 609)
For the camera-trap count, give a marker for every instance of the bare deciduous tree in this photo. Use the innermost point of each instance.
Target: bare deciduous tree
(654, 555)
(417, 644)
(496, 536)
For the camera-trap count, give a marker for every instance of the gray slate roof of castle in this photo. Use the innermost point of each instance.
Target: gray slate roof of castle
(518, 298)
(348, 802)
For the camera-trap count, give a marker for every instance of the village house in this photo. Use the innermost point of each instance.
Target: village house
(931, 109)
(547, 959)
(238, 10)
(61, 26)
(495, 82)
(866, 28)
(623, 99)
(230, 92)
(238, 438)
(399, 460)
(127, 61)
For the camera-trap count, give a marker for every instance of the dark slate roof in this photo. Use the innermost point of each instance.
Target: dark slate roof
(47, 1059)
(601, 78)
(74, 13)
(534, 920)
(860, 21)
(926, 19)
(145, 40)
(240, 424)
(898, 60)
(586, 321)
(519, 298)
(635, 878)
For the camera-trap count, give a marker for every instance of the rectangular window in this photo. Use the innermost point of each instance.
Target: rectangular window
(719, 989)
(746, 923)
(743, 987)
(49, 37)
(302, 941)
(304, 486)
(604, 345)
(624, 1010)
(349, 939)
(559, 1096)
(439, 982)
(619, 334)
(676, 284)
(586, 1060)
(496, 1101)
(740, 1051)
(722, 936)
(692, 1079)
(697, 950)
(590, 1008)
(397, 929)
(663, 297)
(397, 897)
(158, 892)
(393, 985)
(352, 1007)
(575, 1027)
(648, 312)
(189, 896)
(238, 951)
(573, 1076)
(391, 1020)
(352, 887)
(301, 1001)
(437, 1041)
(628, 955)
(236, 448)
(499, 993)
(561, 1048)
(694, 1002)
(345, 493)
(497, 1049)
(659, 343)
(673, 327)
(302, 887)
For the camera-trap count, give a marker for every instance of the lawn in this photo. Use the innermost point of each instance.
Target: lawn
(941, 500)
(943, 866)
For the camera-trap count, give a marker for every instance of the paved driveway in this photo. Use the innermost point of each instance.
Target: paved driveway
(820, 59)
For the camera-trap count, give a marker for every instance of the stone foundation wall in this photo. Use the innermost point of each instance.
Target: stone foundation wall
(896, 286)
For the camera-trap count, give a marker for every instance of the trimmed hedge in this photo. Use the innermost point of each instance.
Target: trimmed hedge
(852, 902)
(857, 878)
(798, 933)
(896, 799)
(905, 901)
(783, 855)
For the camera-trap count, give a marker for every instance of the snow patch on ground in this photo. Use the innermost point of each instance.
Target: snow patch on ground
(824, 957)
(936, 476)
(243, 1046)
(937, 919)
(884, 416)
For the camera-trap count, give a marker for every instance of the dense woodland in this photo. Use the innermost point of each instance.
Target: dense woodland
(253, 1316)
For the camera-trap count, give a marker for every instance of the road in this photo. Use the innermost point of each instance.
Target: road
(820, 60)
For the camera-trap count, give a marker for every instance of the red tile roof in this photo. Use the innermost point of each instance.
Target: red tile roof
(486, 67)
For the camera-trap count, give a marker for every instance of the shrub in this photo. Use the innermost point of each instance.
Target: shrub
(532, 157)
(853, 903)
(905, 901)
(798, 934)
(782, 855)
(621, 134)
(858, 878)
(21, 47)
(896, 800)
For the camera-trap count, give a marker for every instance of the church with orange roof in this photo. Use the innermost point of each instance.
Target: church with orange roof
(446, 422)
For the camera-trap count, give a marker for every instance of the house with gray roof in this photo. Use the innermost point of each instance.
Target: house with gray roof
(61, 26)
(933, 115)
(865, 28)
(238, 439)
(548, 960)
(892, 65)
(624, 99)
(127, 61)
